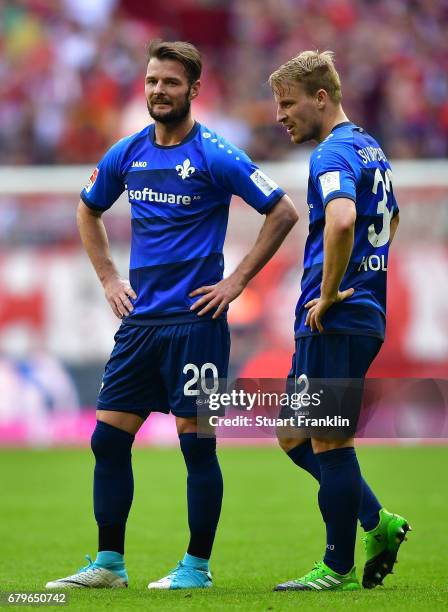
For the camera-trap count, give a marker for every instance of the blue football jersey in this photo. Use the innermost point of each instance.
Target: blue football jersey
(350, 164)
(179, 197)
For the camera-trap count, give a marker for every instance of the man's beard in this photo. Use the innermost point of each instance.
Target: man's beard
(174, 116)
(311, 135)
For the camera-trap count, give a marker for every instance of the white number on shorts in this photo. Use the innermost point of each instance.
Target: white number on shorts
(202, 374)
(205, 378)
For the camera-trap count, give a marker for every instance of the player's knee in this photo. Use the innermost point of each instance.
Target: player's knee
(186, 425)
(197, 450)
(322, 445)
(285, 443)
(108, 442)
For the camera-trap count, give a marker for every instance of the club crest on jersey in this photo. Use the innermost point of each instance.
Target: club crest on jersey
(185, 169)
(92, 180)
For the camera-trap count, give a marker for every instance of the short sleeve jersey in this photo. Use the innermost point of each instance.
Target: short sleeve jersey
(350, 164)
(179, 198)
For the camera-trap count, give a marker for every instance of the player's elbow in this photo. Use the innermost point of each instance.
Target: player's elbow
(286, 212)
(341, 217)
(345, 225)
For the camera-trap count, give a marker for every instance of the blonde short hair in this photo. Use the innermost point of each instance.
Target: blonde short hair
(313, 70)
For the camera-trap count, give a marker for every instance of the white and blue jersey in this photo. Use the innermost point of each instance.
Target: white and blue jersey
(350, 164)
(179, 197)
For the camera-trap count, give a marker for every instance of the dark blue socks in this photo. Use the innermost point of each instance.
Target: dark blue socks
(204, 492)
(369, 510)
(339, 500)
(303, 456)
(114, 487)
(113, 484)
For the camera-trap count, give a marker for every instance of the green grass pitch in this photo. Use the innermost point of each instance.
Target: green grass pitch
(270, 529)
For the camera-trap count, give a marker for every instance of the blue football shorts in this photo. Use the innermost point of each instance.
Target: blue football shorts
(329, 371)
(334, 355)
(161, 368)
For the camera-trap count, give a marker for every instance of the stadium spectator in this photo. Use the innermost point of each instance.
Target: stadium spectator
(69, 67)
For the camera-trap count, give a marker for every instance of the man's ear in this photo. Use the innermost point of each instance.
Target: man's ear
(194, 89)
(321, 98)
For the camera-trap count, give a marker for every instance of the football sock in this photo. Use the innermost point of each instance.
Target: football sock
(110, 560)
(339, 500)
(113, 484)
(204, 492)
(303, 456)
(195, 562)
(369, 510)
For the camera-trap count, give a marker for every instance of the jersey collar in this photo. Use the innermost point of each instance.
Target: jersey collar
(340, 125)
(191, 134)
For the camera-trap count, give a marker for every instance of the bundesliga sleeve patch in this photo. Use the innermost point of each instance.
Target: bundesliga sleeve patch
(330, 181)
(92, 180)
(263, 182)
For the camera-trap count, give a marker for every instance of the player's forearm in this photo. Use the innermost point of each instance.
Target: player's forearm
(94, 238)
(277, 225)
(338, 246)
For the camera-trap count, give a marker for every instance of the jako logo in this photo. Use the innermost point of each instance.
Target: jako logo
(139, 164)
(185, 170)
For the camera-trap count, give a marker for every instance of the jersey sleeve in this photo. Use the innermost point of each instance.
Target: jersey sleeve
(333, 175)
(106, 183)
(234, 172)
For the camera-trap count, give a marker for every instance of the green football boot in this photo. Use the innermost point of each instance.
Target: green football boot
(322, 578)
(382, 544)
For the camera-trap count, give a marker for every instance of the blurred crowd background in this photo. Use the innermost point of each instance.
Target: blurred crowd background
(71, 84)
(71, 71)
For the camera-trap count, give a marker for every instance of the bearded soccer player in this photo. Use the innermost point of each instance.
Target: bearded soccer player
(341, 312)
(179, 177)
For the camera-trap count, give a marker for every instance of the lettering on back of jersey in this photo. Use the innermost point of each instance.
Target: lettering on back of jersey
(373, 262)
(263, 182)
(330, 181)
(371, 154)
(92, 180)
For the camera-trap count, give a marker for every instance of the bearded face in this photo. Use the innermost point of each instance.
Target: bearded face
(168, 91)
